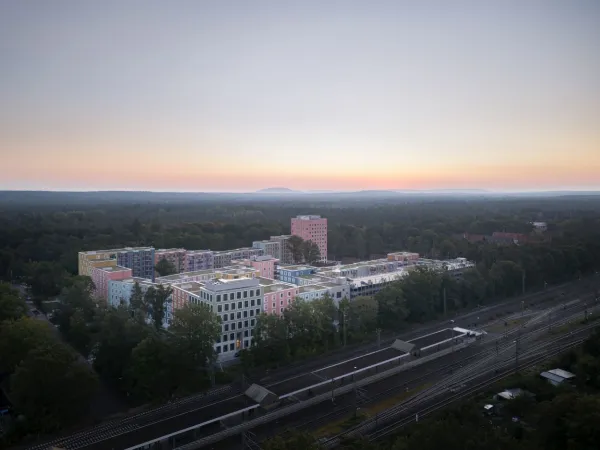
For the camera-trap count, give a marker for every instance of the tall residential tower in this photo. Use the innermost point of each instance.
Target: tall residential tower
(312, 228)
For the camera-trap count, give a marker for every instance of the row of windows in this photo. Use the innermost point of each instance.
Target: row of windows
(238, 295)
(232, 346)
(239, 325)
(227, 306)
(232, 316)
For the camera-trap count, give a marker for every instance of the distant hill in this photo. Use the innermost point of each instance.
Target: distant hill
(277, 190)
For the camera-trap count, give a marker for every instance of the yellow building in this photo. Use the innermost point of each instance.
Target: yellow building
(100, 258)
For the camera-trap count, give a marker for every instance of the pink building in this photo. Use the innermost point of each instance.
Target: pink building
(264, 264)
(102, 275)
(405, 257)
(175, 256)
(277, 295)
(312, 228)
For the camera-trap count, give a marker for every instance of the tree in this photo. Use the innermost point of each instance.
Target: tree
(153, 370)
(392, 307)
(295, 245)
(165, 267)
(51, 387)
(297, 441)
(136, 303)
(118, 335)
(195, 329)
(310, 252)
(155, 303)
(18, 338)
(271, 345)
(12, 305)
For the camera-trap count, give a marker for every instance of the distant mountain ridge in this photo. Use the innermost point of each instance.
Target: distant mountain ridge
(277, 190)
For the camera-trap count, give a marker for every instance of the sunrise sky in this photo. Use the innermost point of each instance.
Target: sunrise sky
(228, 95)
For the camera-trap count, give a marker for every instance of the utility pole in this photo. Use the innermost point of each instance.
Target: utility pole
(517, 350)
(445, 309)
(354, 389)
(344, 315)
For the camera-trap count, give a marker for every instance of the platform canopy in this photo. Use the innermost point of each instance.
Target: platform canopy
(261, 395)
(403, 346)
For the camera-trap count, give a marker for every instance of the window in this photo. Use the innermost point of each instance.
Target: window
(258, 302)
(239, 325)
(226, 306)
(224, 297)
(281, 310)
(219, 308)
(218, 349)
(246, 333)
(226, 327)
(258, 292)
(252, 303)
(273, 305)
(338, 295)
(224, 338)
(251, 312)
(246, 304)
(239, 305)
(245, 294)
(257, 312)
(246, 343)
(289, 293)
(245, 313)
(231, 347)
(251, 293)
(231, 317)
(239, 315)
(219, 339)
(233, 326)
(233, 306)
(281, 303)
(252, 322)
(281, 295)
(232, 337)
(252, 332)
(246, 323)
(239, 295)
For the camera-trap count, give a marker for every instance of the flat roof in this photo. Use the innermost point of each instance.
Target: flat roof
(278, 287)
(190, 286)
(179, 276)
(114, 269)
(311, 288)
(226, 285)
(379, 278)
(562, 373)
(296, 267)
(116, 250)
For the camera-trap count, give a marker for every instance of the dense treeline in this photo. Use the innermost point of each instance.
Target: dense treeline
(48, 384)
(54, 232)
(556, 418)
(51, 384)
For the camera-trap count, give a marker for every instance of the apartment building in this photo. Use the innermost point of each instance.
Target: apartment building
(311, 228)
(265, 265)
(285, 256)
(405, 257)
(292, 273)
(269, 248)
(120, 291)
(337, 291)
(139, 259)
(198, 260)
(277, 295)
(175, 256)
(102, 275)
(238, 303)
(224, 258)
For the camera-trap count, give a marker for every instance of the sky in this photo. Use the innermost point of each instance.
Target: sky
(239, 95)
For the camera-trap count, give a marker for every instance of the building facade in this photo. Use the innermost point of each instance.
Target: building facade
(175, 256)
(292, 273)
(198, 260)
(285, 256)
(312, 228)
(269, 248)
(120, 291)
(277, 295)
(224, 258)
(140, 260)
(102, 275)
(265, 265)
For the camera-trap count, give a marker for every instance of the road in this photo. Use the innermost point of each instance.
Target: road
(128, 431)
